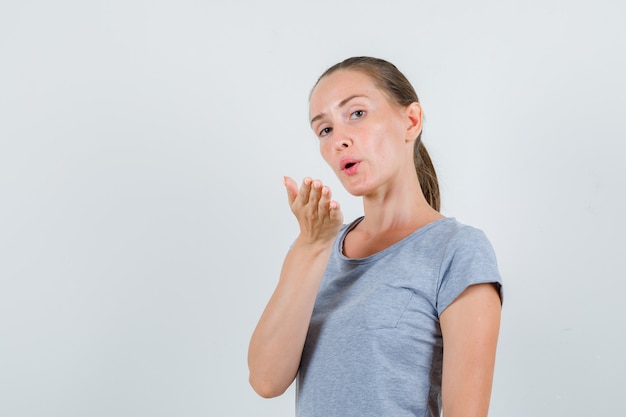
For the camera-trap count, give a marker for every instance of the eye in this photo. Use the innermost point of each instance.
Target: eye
(325, 131)
(357, 114)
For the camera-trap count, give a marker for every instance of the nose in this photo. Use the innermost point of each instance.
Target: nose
(342, 138)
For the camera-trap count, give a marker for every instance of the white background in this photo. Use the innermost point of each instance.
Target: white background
(143, 219)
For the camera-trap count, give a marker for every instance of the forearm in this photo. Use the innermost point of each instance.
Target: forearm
(277, 342)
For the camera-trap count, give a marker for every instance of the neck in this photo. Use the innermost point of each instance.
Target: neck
(397, 208)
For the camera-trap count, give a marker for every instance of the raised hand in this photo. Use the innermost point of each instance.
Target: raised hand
(319, 216)
(276, 346)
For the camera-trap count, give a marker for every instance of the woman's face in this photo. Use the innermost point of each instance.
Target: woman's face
(365, 137)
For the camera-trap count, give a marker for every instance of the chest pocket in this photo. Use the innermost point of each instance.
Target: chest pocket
(384, 307)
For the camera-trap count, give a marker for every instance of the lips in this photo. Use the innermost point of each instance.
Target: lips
(349, 165)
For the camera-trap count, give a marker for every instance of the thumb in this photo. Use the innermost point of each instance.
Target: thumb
(292, 189)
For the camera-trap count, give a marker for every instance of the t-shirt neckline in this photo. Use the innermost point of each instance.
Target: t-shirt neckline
(388, 249)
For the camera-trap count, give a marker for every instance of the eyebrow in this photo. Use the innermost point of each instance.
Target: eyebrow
(341, 104)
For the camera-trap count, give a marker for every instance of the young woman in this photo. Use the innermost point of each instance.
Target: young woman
(397, 313)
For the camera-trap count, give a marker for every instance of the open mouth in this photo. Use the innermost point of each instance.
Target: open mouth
(348, 165)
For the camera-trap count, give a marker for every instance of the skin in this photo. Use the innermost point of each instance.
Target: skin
(355, 121)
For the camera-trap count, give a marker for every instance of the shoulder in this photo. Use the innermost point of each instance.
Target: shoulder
(459, 239)
(444, 237)
(458, 231)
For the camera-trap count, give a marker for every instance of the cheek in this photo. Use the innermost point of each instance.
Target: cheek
(325, 151)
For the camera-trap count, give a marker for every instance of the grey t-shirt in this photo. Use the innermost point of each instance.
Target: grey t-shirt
(374, 346)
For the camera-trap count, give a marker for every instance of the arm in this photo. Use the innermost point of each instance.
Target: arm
(470, 328)
(277, 342)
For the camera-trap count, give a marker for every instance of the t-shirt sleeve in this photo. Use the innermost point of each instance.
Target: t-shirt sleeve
(468, 260)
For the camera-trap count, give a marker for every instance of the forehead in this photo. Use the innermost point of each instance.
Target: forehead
(335, 87)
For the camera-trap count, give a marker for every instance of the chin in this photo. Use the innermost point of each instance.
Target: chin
(356, 190)
(356, 193)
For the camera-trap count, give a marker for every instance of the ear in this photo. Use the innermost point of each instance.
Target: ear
(414, 121)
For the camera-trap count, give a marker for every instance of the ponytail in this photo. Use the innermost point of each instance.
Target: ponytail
(426, 174)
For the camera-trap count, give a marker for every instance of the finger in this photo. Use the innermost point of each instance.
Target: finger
(305, 190)
(335, 211)
(316, 192)
(323, 205)
(292, 189)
